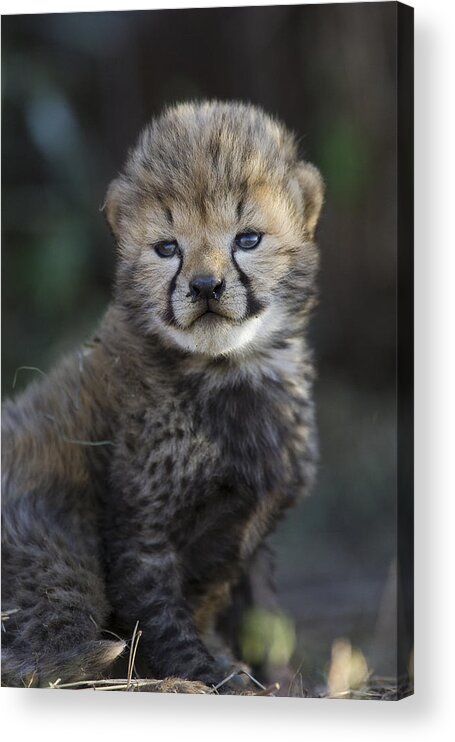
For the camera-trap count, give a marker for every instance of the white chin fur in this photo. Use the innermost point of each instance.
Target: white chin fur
(222, 337)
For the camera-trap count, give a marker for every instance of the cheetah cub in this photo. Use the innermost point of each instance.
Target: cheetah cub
(142, 475)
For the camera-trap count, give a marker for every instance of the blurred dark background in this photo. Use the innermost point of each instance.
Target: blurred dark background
(77, 89)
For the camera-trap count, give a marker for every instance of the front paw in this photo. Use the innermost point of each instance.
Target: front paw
(178, 685)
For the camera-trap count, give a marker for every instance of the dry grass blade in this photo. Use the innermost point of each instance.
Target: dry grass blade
(270, 691)
(225, 680)
(253, 680)
(263, 691)
(83, 683)
(130, 684)
(110, 684)
(133, 649)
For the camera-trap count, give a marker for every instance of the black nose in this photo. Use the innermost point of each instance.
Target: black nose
(206, 287)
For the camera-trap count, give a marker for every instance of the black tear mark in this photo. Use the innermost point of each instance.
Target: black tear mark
(253, 304)
(169, 315)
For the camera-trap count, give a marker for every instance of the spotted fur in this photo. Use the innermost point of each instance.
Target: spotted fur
(141, 477)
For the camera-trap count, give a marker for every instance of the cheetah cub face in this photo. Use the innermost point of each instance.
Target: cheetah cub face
(214, 217)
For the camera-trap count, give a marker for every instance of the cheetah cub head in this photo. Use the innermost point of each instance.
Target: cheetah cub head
(214, 216)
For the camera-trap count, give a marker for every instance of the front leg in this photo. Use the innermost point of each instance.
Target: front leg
(144, 584)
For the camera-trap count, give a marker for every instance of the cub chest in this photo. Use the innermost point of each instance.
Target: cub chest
(197, 437)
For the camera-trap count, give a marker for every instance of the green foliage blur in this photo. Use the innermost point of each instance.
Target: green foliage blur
(77, 89)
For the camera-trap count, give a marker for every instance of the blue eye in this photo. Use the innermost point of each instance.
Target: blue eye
(166, 249)
(248, 240)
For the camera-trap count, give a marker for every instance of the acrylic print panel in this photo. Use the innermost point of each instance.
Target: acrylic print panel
(207, 365)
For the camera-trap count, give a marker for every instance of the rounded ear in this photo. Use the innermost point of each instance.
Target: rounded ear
(111, 206)
(312, 190)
